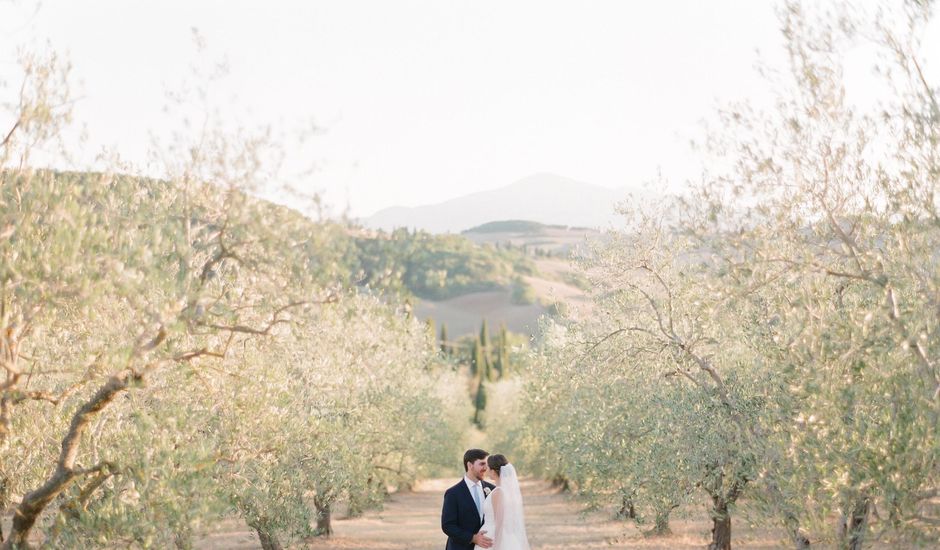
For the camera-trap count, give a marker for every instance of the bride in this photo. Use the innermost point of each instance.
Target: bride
(504, 521)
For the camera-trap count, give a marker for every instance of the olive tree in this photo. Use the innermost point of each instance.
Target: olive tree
(107, 280)
(832, 206)
(665, 393)
(796, 292)
(355, 407)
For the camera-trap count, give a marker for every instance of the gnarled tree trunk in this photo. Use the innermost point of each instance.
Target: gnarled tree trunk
(661, 524)
(266, 536)
(853, 524)
(800, 540)
(721, 525)
(4, 500)
(561, 482)
(627, 509)
(324, 517)
(65, 473)
(721, 510)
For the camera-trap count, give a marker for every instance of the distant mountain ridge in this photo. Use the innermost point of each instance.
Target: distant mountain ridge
(544, 198)
(516, 226)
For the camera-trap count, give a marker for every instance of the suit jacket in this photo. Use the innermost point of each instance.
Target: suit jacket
(459, 517)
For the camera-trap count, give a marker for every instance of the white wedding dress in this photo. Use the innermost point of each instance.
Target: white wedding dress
(507, 529)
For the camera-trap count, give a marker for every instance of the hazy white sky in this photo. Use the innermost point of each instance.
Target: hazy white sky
(420, 101)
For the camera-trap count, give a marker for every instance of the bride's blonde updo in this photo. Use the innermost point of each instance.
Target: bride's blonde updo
(495, 462)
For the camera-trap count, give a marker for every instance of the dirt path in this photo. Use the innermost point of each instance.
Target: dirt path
(411, 521)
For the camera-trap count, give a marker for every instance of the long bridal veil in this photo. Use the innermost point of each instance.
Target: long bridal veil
(510, 532)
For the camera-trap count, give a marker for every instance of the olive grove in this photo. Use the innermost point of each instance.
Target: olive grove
(176, 350)
(772, 335)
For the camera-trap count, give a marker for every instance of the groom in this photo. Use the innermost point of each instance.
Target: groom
(462, 515)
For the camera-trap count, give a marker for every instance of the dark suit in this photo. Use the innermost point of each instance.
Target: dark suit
(459, 517)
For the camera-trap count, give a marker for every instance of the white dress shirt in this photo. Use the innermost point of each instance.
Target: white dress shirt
(479, 491)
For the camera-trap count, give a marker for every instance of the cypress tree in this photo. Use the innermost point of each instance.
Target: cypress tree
(503, 350)
(432, 331)
(487, 350)
(479, 404)
(478, 362)
(445, 348)
(498, 365)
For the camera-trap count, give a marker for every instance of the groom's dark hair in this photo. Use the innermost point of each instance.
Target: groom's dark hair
(473, 455)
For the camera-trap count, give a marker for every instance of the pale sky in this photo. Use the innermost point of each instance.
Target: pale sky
(418, 101)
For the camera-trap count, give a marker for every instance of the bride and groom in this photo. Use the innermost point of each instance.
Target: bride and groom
(481, 514)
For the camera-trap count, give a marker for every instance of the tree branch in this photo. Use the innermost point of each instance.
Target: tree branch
(9, 135)
(275, 318)
(34, 502)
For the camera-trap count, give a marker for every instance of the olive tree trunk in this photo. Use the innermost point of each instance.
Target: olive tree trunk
(65, 472)
(324, 517)
(4, 501)
(267, 536)
(853, 525)
(661, 524)
(800, 540)
(627, 509)
(721, 525)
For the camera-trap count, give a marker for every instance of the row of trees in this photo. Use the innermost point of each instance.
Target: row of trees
(483, 355)
(775, 337)
(487, 359)
(489, 362)
(175, 351)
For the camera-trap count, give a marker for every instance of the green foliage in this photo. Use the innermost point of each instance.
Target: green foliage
(479, 403)
(508, 226)
(375, 415)
(176, 350)
(522, 292)
(485, 338)
(558, 309)
(501, 364)
(646, 414)
(577, 280)
(435, 267)
(445, 343)
(779, 340)
(478, 360)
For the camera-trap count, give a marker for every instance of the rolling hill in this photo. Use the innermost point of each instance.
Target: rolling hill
(544, 198)
(506, 272)
(551, 281)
